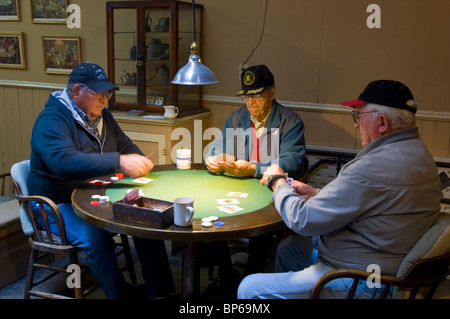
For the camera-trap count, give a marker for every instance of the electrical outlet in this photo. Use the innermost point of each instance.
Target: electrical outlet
(242, 67)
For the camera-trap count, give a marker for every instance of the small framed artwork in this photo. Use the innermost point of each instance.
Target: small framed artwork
(12, 50)
(9, 10)
(49, 11)
(61, 53)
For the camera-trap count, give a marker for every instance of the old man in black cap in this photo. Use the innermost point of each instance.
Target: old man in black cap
(260, 133)
(255, 136)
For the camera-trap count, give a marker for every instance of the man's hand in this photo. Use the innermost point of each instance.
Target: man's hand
(212, 164)
(304, 190)
(239, 168)
(273, 169)
(135, 165)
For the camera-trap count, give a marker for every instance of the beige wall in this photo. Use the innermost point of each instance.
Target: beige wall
(92, 33)
(320, 51)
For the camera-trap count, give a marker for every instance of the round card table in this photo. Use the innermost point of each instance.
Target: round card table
(256, 217)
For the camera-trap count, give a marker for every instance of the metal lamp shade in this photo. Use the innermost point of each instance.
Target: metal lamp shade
(194, 73)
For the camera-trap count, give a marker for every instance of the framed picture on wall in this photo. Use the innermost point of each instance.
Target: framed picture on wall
(61, 53)
(9, 10)
(12, 52)
(49, 11)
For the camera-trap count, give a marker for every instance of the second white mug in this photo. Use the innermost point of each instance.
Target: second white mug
(183, 211)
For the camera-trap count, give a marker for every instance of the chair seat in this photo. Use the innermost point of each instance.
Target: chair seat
(53, 248)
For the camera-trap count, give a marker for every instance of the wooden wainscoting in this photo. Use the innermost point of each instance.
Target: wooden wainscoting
(326, 125)
(332, 125)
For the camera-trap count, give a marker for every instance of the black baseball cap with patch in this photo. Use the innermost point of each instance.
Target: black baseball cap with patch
(255, 79)
(388, 93)
(93, 76)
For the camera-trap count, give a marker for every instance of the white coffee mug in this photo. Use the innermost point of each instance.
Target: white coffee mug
(183, 211)
(183, 158)
(170, 111)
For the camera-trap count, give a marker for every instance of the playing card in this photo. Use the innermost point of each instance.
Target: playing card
(227, 201)
(290, 180)
(225, 158)
(237, 194)
(230, 209)
(142, 180)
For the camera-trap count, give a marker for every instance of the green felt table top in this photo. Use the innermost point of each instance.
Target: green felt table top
(205, 188)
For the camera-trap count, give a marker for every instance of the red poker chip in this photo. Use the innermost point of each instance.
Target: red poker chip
(95, 202)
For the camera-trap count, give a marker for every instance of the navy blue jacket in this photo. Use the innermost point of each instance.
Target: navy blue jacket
(64, 153)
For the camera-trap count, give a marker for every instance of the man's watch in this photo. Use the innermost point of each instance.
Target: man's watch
(272, 178)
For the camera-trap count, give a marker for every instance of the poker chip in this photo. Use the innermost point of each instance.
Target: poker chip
(96, 197)
(210, 219)
(114, 178)
(104, 199)
(206, 224)
(219, 223)
(95, 202)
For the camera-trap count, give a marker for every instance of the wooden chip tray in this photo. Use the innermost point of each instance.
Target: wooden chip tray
(143, 210)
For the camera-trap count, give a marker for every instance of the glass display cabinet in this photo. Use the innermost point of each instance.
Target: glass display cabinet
(147, 42)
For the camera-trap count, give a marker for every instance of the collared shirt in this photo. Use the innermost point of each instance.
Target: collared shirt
(260, 126)
(92, 126)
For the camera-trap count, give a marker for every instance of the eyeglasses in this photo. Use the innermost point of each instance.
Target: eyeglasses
(356, 114)
(252, 96)
(99, 95)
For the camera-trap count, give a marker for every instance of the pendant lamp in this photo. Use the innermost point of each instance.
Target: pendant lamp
(194, 72)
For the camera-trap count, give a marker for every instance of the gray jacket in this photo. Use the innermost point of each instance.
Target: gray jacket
(375, 210)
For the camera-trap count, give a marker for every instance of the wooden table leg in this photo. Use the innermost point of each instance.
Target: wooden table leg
(190, 270)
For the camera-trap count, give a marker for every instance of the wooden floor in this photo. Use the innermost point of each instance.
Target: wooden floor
(16, 289)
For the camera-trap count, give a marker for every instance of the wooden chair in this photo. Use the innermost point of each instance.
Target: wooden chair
(6, 185)
(425, 266)
(43, 243)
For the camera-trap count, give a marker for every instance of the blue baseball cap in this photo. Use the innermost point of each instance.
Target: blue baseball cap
(93, 76)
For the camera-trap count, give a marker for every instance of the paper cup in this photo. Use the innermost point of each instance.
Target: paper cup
(183, 158)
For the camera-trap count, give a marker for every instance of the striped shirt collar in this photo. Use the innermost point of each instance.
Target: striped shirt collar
(91, 125)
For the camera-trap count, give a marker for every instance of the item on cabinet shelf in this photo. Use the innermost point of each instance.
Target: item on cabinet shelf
(148, 23)
(135, 113)
(130, 78)
(163, 25)
(150, 99)
(164, 80)
(133, 49)
(157, 50)
(159, 100)
(133, 52)
(170, 111)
